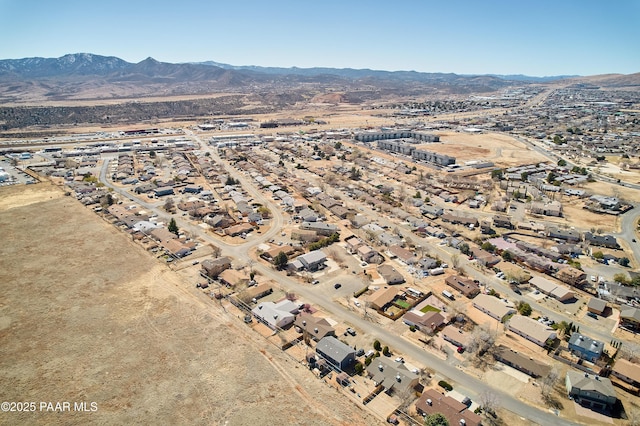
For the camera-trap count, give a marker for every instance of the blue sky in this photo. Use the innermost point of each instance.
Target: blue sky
(537, 38)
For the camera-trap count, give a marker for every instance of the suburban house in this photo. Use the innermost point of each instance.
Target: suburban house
(239, 229)
(521, 362)
(585, 347)
(405, 256)
(596, 306)
(382, 297)
(314, 327)
(430, 320)
(531, 329)
(485, 258)
(552, 289)
(256, 292)
(553, 208)
(590, 391)
(320, 228)
(500, 221)
(493, 306)
(393, 376)
(628, 372)
(464, 285)
(214, 267)
(162, 191)
(231, 278)
(630, 317)
(336, 353)
(390, 274)
(564, 234)
(431, 401)
(389, 240)
(369, 255)
(352, 243)
(607, 241)
(312, 261)
(455, 336)
(276, 315)
(571, 276)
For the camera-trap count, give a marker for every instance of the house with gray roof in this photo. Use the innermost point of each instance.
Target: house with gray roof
(585, 347)
(608, 241)
(336, 353)
(394, 377)
(594, 392)
(320, 228)
(389, 239)
(313, 260)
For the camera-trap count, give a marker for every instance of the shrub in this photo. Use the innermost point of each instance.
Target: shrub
(446, 386)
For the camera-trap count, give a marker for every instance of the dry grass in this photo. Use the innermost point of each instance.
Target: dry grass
(87, 315)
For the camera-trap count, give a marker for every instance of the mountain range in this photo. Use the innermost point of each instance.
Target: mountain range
(89, 77)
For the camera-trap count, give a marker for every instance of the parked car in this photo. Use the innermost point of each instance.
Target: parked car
(399, 359)
(351, 331)
(592, 315)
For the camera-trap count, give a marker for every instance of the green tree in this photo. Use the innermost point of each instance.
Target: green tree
(436, 419)
(376, 345)
(281, 260)
(507, 256)
(598, 255)
(464, 248)
(358, 368)
(562, 162)
(385, 351)
(551, 177)
(418, 195)
(524, 309)
(497, 174)
(355, 173)
(173, 226)
(488, 247)
(338, 145)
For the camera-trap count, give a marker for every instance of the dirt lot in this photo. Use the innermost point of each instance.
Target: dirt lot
(88, 316)
(503, 150)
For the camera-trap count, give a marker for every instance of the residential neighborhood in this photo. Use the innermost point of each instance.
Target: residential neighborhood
(393, 272)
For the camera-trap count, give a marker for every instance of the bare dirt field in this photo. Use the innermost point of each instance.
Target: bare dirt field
(88, 316)
(503, 150)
